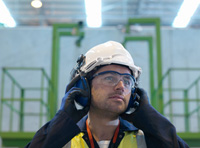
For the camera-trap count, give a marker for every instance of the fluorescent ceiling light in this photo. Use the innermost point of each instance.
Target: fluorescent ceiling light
(36, 4)
(5, 16)
(185, 13)
(93, 13)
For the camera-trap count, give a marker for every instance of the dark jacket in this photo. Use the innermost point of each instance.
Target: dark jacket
(61, 129)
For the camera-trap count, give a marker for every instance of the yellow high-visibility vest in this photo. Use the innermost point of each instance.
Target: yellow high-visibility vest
(130, 140)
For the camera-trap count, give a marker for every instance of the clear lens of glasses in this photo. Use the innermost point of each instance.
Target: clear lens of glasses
(112, 78)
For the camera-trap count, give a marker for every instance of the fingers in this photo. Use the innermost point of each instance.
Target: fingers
(140, 91)
(81, 96)
(143, 95)
(72, 83)
(77, 92)
(73, 94)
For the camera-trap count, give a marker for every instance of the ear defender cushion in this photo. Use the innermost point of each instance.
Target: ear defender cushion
(83, 84)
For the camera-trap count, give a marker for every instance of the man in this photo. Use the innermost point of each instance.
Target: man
(103, 107)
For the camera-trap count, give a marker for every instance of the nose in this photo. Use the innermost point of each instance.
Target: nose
(120, 86)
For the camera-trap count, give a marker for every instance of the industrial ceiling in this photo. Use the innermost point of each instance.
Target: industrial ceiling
(114, 12)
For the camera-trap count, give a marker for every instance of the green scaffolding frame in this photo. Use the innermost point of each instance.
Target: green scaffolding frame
(149, 40)
(192, 138)
(19, 137)
(60, 30)
(158, 103)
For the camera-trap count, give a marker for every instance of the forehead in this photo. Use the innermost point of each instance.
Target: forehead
(112, 67)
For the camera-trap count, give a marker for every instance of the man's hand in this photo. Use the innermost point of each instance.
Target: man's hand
(158, 130)
(143, 102)
(68, 103)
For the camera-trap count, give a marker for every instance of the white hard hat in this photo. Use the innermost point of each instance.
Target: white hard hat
(107, 53)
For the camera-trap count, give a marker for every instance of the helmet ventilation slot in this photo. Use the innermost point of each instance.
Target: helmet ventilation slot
(90, 65)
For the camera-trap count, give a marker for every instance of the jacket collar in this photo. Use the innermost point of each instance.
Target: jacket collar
(124, 125)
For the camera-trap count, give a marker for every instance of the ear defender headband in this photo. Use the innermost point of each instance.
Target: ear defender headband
(79, 80)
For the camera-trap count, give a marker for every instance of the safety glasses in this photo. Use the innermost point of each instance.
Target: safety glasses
(112, 78)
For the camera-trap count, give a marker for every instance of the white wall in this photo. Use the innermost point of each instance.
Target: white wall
(32, 47)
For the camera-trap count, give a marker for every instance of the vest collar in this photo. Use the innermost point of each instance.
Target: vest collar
(124, 125)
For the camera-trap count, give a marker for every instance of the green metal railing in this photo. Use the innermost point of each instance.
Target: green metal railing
(14, 97)
(149, 40)
(61, 30)
(158, 93)
(156, 102)
(184, 95)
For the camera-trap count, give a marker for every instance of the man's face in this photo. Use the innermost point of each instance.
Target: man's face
(113, 99)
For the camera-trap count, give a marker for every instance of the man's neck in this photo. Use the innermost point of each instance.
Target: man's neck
(102, 127)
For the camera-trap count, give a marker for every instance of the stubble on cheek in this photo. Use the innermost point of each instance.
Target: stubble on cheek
(100, 100)
(100, 94)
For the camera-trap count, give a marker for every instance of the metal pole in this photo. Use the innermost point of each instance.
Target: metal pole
(186, 106)
(57, 33)
(21, 124)
(170, 96)
(151, 69)
(156, 22)
(2, 95)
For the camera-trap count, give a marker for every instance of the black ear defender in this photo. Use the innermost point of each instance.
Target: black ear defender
(135, 98)
(79, 80)
(133, 102)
